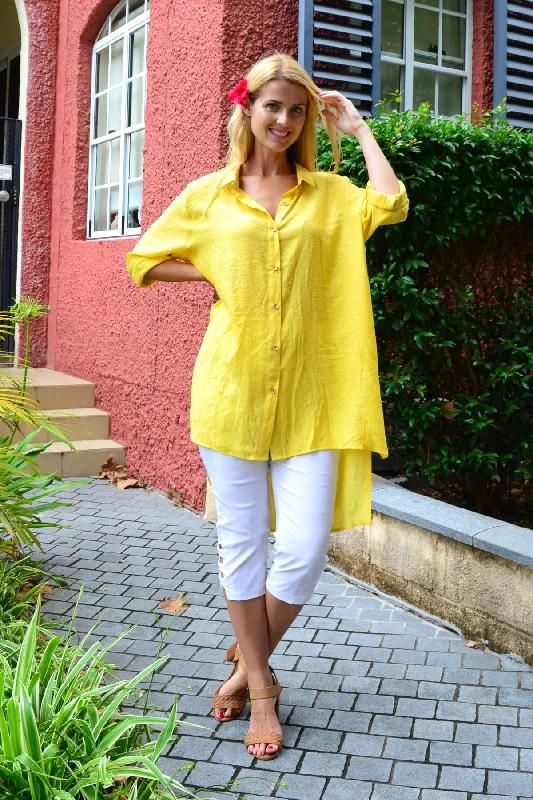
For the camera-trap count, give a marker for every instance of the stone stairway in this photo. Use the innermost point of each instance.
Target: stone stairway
(69, 402)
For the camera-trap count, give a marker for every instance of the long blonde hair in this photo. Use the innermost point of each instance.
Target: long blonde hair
(304, 150)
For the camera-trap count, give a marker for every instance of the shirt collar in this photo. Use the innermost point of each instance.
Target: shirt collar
(229, 175)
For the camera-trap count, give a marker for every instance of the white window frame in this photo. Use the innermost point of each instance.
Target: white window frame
(124, 32)
(408, 63)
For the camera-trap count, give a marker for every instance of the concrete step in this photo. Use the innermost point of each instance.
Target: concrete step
(88, 460)
(75, 423)
(54, 390)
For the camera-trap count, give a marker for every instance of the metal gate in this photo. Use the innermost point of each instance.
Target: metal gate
(10, 137)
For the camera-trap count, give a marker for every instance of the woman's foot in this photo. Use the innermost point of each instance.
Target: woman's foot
(234, 685)
(263, 717)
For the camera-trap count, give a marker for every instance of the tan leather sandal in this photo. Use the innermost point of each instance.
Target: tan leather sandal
(236, 701)
(268, 737)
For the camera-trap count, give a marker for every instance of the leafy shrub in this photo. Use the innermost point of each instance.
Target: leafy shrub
(63, 735)
(23, 484)
(451, 292)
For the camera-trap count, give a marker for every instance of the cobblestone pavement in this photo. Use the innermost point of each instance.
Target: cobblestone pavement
(377, 703)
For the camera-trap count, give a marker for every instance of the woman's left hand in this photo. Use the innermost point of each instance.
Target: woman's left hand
(349, 120)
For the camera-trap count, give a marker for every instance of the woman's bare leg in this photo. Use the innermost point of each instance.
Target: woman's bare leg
(259, 625)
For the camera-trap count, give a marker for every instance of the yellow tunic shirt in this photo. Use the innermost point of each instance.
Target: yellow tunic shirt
(288, 363)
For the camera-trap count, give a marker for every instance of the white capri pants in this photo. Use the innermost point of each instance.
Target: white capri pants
(304, 489)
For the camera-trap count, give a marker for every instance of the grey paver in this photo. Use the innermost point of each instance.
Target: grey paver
(377, 704)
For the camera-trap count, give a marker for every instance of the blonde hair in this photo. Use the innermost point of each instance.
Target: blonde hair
(304, 150)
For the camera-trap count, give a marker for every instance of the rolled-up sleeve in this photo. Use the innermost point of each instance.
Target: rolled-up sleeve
(168, 237)
(378, 208)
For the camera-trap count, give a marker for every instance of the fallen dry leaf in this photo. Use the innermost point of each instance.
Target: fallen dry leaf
(174, 604)
(46, 589)
(474, 644)
(119, 475)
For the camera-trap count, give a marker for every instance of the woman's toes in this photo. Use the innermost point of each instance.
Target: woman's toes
(272, 748)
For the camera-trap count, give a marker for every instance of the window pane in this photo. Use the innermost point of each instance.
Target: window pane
(392, 28)
(390, 79)
(115, 109)
(426, 35)
(116, 62)
(136, 7)
(113, 209)
(100, 209)
(102, 70)
(103, 33)
(136, 154)
(423, 88)
(101, 115)
(454, 5)
(137, 52)
(134, 204)
(102, 164)
(453, 41)
(115, 161)
(136, 101)
(120, 17)
(450, 95)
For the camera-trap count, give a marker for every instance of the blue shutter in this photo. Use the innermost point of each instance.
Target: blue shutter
(513, 59)
(339, 46)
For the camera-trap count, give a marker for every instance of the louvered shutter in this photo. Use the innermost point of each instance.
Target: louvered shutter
(513, 59)
(340, 47)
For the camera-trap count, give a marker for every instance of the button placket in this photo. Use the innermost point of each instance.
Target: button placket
(274, 291)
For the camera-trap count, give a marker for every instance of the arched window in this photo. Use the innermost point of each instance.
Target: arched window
(118, 98)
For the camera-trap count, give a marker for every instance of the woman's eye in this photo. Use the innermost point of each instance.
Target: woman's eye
(271, 105)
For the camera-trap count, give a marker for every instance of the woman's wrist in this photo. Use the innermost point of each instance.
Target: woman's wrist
(361, 130)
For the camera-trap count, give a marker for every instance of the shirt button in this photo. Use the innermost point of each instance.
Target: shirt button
(273, 230)
(274, 267)
(273, 391)
(286, 203)
(274, 347)
(276, 305)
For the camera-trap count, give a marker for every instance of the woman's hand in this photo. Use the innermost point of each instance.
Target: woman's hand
(349, 120)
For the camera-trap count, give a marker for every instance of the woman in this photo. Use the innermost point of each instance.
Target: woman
(285, 400)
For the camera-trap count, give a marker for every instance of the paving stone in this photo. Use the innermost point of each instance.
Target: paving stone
(437, 794)
(376, 704)
(407, 707)
(320, 680)
(326, 764)
(352, 721)
(344, 789)
(463, 779)
(493, 678)
(499, 758)
(209, 774)
(405, 749)
(314, 739)
(497, 715)
(516, 783)
(369, 769)
(458, 711)
(398, 688)
(436, 691)
(334, 700)
(386, 725)
(382, 792)
(301, 787)
(382, 670)
(515, 737)
(416, 775)
(315, 718)
(361, 744)
(460, 755)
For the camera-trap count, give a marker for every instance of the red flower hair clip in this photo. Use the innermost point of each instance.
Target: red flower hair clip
(240, 92)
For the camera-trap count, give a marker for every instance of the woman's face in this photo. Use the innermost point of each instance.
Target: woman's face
(278, 114)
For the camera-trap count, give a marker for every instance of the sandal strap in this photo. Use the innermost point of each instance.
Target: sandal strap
(268, 737)
(229, 701)
(263, 693)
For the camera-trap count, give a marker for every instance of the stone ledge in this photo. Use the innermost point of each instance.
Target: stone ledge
(486, 533)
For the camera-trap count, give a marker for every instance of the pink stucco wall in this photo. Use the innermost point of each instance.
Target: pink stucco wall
(139, 346)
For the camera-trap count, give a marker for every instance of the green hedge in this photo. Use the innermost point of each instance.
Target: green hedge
(451, 292)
